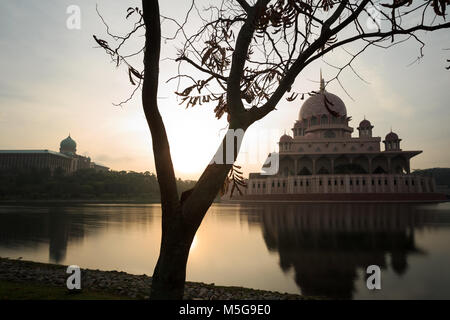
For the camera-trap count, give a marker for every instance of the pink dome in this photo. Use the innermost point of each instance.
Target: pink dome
(315, 105)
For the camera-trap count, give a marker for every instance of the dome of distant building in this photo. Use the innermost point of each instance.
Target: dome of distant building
(365, 124)
(66, 161)
(391, 136)
(68, 145)
(315, 105)
(285, 138)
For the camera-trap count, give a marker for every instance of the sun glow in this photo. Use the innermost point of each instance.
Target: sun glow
(190, 165)
(190, 159)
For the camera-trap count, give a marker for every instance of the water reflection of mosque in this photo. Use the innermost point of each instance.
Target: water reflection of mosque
(59, 227)
(326, 245)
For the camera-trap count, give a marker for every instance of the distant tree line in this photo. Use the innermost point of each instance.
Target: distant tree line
(440, 175)
(87, 184)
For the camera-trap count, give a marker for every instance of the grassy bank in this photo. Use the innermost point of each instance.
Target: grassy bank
(37, 291)
(25, 280)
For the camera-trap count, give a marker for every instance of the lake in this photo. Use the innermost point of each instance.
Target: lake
(311, 249)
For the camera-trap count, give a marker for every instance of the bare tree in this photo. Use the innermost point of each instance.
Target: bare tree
(250, 54)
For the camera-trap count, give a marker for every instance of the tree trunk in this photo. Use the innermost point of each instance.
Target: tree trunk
(169, 275)
(180, 219)
(179, 227)
(170, 272)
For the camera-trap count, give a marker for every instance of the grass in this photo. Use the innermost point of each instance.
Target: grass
(34, 291)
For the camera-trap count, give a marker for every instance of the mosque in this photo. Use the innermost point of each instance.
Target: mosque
(323, 162)
(66, 159)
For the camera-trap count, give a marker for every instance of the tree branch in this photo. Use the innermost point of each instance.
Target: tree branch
(161, 150)
(304, 58)
(380, 35)
(214, 74)
(244, 5)
(240, 54)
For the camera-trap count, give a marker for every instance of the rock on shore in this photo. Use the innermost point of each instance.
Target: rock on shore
(124, 284)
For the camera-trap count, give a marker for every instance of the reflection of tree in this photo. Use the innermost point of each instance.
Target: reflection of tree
(60, 228)
(327, 244)
(27, 227)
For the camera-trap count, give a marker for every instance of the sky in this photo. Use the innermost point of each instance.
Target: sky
(55, 82)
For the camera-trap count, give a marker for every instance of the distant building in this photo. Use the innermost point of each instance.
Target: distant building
(66, 159)
(323, 162)
(98, 167)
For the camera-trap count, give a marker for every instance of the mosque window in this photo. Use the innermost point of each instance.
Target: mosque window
(329, 182)
(357, 182)
(314, 121)
(264, 185)
(273, 184)
(295, 183)
(301, 183)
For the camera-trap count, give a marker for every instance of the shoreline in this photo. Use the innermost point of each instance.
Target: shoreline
(122, 284)
(78, 202)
